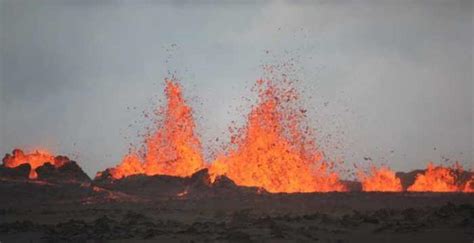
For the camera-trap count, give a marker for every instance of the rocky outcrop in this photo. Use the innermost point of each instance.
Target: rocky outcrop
(143, 185)
(19, 172)
(152, 187)
(69, 172)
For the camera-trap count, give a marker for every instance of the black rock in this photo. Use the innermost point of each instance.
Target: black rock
(103, 176)
(408, 178)
(19, 172)
(199, 180)
(69, 172)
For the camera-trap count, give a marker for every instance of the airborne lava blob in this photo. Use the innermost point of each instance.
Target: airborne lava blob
(380, 180)
(272, 152)
(35, 160)
(173, 148)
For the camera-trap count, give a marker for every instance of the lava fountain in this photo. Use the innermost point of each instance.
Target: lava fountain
(173, 148)
(380, 180)
(35, 160)
(440, 179)
(272, 152)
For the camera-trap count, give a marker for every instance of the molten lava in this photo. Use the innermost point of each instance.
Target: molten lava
(274, 150)
(271, 151)
(469, 186)
(438, 179)
(173, 148)
(35, 160)
(380, 180)
(131, 165)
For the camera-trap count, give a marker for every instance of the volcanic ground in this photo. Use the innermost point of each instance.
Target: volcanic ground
(64, 204)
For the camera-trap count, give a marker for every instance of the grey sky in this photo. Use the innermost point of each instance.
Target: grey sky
(397, 75)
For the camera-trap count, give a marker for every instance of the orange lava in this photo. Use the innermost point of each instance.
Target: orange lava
(131, 165)
(437, 179)
(173, 148)
(380, 180)
(469, 186)
(35, 160)
(271, 151)
(274, 150)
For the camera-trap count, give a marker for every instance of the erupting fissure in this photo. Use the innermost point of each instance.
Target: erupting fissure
(271, 152)
(274, 150)
(35, 160)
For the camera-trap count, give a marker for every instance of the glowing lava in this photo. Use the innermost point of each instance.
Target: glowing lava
(131, 165)
(438, 179)
(469, 186)
(271, 151)
(35, 160)
(275, 150)
(173, 148)
(380, 180)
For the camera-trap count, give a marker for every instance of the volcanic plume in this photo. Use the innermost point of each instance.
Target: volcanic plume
(173, 148)
(272, 150)
(381, 180)
(35, 160)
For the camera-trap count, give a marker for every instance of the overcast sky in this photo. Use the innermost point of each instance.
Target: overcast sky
(391, 80)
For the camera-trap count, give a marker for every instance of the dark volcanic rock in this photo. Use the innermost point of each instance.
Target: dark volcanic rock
(450, 222)
(18, 227)
(408, 178)
(19, 172)
(103, 177)
(200, 179)
(353, 186)
(222, 186)
(35, 192)
(145, 186)
(152, 187)
(69, 172)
